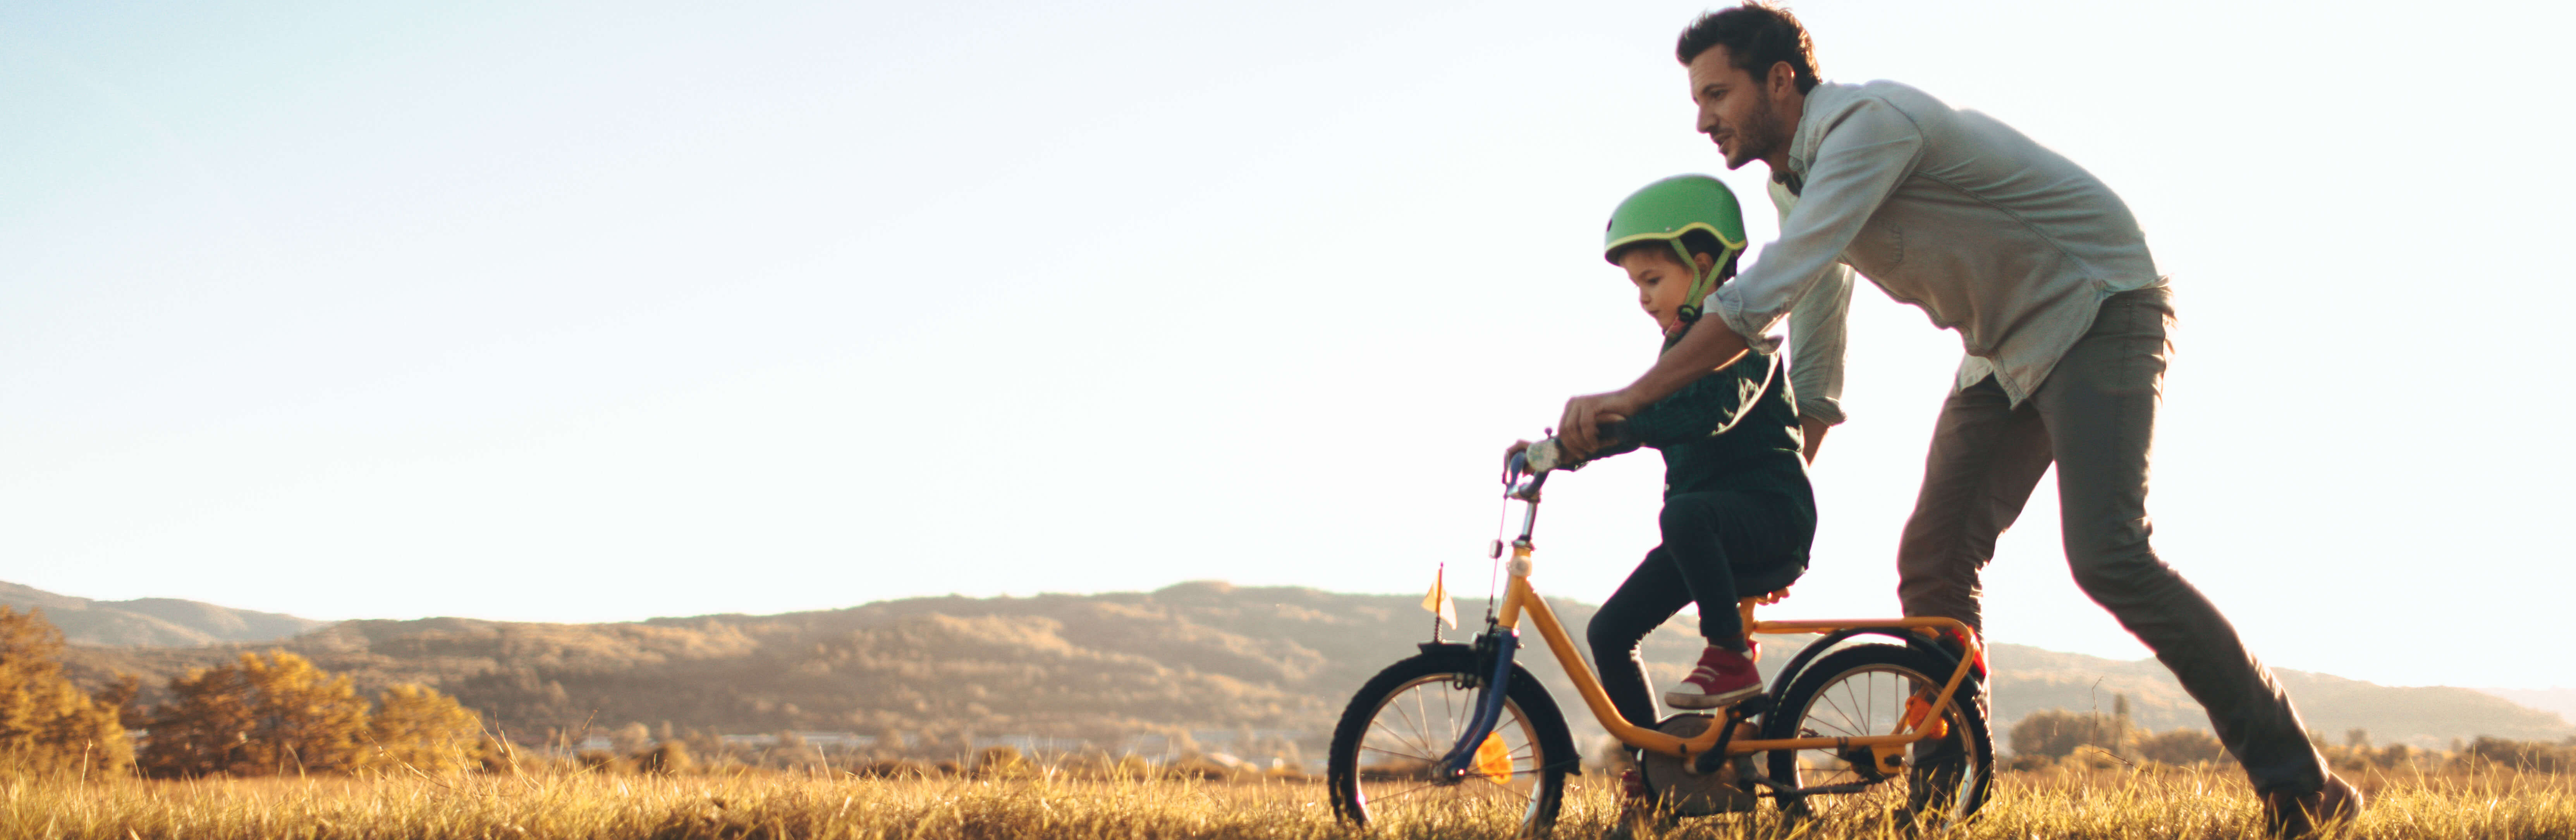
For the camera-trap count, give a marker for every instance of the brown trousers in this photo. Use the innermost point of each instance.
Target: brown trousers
(2095, 418)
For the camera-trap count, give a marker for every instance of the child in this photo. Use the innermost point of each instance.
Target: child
(1738, 514)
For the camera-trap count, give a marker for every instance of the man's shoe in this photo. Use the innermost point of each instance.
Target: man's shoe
(2298, 815)
(1724, 676)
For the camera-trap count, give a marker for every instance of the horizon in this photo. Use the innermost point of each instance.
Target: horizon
(1466, 625)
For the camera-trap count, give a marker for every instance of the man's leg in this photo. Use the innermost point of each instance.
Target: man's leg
(1652, 593)
(2100, 407)
(1986, 456)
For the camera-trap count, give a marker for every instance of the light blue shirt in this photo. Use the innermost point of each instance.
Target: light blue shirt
(1989, 233)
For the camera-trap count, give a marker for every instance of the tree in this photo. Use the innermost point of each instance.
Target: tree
(418, 728)
(48, 725)
(126, 697)
(206, 726)
(258, 717)
(2058, 733)
(309, 720)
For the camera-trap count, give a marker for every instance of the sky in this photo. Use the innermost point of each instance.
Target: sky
(588, 312)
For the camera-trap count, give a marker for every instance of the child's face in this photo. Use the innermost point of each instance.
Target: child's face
(1663, 285)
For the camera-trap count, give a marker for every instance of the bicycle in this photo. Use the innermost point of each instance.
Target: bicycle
(1868, 732)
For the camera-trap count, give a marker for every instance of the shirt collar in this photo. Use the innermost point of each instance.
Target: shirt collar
(1822, 101)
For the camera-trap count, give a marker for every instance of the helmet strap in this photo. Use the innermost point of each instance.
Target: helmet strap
(1699, 282)
(1703, 282)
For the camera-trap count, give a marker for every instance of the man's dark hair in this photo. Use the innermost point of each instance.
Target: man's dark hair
(1756, 35)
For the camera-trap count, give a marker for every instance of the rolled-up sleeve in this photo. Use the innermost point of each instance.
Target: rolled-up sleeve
(1816, 334)
(1861, 159)
(1816, 338)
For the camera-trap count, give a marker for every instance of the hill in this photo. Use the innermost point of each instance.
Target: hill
(152, 622)
(1201, 657)
(2559, 700)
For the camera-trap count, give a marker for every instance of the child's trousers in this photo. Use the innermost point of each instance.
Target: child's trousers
(1716, 544)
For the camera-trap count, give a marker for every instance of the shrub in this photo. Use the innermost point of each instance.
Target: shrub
(2057, 733)
(2030, 762)
(894, 769)
(2181, 746)
(603, 762)
(668, 758)
(2536, 756)
(1004, 763)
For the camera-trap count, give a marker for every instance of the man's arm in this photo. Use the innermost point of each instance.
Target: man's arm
(1710, 345)
(1816, 343)
(1702, 409)
(1863, 157)
(1812, 431)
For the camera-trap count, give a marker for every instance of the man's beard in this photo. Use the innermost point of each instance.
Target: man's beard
(1762, 135)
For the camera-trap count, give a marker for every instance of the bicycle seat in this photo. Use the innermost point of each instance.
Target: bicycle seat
(1744, 606)
(1773, 580)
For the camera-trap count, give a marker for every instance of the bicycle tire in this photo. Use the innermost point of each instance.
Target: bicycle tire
(1410, 714)
(1861, 690)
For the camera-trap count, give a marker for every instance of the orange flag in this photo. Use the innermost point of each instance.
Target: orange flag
(1438, 602)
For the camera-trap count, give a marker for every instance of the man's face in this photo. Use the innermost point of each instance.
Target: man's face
(1736, 110)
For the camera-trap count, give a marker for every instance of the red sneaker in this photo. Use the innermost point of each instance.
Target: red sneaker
(1632, 786)
(1724, 676)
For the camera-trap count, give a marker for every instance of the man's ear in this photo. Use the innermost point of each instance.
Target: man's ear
(1782, 81)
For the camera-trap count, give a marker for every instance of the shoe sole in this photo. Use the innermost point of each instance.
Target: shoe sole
(1681, 700)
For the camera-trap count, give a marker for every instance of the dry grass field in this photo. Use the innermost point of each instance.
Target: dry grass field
(2182, 804)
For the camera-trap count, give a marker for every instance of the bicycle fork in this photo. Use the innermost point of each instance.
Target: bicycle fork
(1494, 649)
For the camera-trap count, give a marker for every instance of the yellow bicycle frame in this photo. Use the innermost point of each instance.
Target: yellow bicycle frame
(1519, 597)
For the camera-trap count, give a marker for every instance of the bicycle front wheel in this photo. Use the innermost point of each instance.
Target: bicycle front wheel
(1863, 690)
(1411, 714)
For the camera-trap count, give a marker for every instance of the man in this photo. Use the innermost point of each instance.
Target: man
(2048, 280)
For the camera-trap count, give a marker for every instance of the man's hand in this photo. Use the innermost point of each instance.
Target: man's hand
(1700, 351)
(1813, 430)
(1580, 429)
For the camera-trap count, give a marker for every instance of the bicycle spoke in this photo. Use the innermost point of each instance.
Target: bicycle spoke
(1425, 728)
(1399, 737)
(1394, 753)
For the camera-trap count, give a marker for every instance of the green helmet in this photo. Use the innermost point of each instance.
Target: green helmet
(1667, 209)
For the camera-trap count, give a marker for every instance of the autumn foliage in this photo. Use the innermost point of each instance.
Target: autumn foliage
(48, 725)
(259, 716)
(280, 715)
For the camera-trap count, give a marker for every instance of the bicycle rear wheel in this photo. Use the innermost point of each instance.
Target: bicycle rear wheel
(1862, 690)
(1412, 713)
